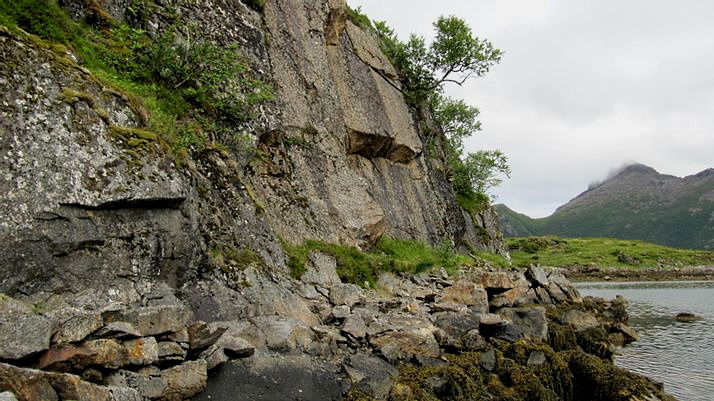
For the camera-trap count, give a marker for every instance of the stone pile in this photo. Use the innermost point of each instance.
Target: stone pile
(157, 351)
(119, 353)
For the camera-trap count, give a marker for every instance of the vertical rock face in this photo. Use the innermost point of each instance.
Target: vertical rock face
(361, 172)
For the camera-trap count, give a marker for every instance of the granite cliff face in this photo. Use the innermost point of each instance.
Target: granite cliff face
(128, 274)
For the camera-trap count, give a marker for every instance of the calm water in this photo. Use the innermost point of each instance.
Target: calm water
(681, 355)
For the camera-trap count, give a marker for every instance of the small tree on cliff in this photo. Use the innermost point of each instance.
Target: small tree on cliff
(454, 56)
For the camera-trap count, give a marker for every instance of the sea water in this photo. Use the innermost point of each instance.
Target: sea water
(680, 355)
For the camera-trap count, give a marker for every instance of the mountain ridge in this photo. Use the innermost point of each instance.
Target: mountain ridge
(636, 202)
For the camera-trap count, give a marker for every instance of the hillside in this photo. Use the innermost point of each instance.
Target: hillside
(637, 203)
(603, 253)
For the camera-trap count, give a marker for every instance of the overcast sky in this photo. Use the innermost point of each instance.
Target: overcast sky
(584, 87)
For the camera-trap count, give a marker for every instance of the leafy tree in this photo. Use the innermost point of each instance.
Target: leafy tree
(454, 56)
(480, 171)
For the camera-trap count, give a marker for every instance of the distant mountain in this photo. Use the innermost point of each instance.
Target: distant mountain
(636, 203)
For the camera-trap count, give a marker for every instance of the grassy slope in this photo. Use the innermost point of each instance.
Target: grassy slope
(602, 252)
(389, 255)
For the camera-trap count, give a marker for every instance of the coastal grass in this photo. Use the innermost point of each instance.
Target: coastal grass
(388, 255)
(602, 253)
(182, 99)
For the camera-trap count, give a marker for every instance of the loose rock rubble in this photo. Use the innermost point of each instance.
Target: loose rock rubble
(159, 352)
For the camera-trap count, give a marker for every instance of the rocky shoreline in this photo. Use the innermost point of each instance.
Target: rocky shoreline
(687, 273)
(479, 334)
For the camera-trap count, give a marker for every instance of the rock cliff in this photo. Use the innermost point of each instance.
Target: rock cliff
(131, 274)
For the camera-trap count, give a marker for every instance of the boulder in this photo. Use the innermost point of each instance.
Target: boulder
(370, 374)
(580, 320)
(229, 346)
(487, 360)
(497, 281)
(153, 320)
(23, 334)
(73, 325)
(107, 353)
(346, 294)
(149, 384)
(536, 358)
(537, 276)
(201, 336)
(409, 337)
(184, 381)
(171, 351)
(467, 293)
(142, 351)
(629, 334)
(355, 326)
(687, 317)
(530, 320)
(119, 330)
(321, 271)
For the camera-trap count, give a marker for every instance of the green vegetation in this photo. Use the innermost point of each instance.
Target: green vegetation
(601, 252)
(454, 56)
(359, 18)
(389, 255)
(638, 204)
(190, 90)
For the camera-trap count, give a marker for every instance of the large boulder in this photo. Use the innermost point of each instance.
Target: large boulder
(23, 334)
(530, 320)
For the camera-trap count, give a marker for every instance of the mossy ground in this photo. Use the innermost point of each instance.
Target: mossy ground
(602, 253)
(388, 255)
(188, 116)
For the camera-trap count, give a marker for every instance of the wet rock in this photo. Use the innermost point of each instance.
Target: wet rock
(184, 381)
(467, 293)
(372, 375)
(687, 317)
(536, 358)
(537, 276)
(580, 320)
(530, 320)
(274, 377)
(23, 334)
(487, 360)
(472, 341)
(629, 334)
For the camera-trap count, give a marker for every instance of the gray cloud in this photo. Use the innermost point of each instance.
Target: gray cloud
(584, 87)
